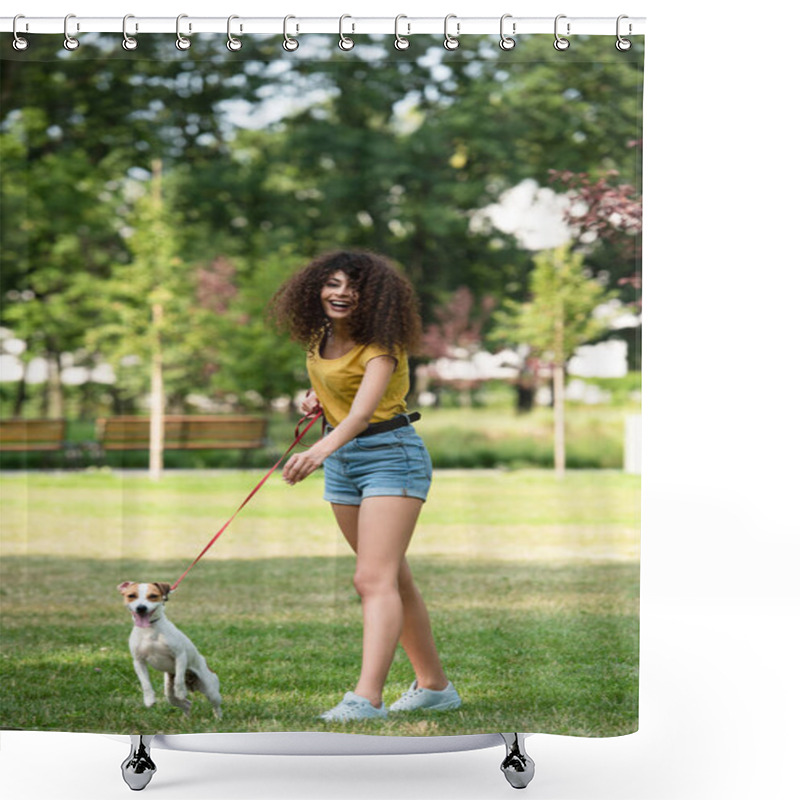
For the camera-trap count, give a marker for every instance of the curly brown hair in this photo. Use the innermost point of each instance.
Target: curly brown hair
(387, 313)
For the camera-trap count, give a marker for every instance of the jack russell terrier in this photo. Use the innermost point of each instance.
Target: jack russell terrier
(157, 643)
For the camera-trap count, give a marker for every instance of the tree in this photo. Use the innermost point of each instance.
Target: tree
(459, 325)
(145, 306)
(69, 148)
(54, 229)
(559, 317)
(605, 217)
(457, 333)
(256, 362)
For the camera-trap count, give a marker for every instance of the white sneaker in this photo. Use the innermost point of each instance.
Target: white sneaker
(354, 707)
(427, 699)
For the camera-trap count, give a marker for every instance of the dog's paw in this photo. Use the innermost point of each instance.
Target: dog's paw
(150, 699)
(183, 705)
(218, 712)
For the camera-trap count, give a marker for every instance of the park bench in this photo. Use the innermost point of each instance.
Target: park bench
(32, 435)
(184, 432)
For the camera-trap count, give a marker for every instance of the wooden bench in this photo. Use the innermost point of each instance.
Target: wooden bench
(29, 435)
(182, 432)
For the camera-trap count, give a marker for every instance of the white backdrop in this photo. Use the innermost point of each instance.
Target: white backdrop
(720, 598)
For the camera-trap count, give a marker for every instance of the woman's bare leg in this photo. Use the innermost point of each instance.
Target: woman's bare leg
(417, 636)
(393, 609)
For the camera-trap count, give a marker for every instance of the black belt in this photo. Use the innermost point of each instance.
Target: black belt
(400, 421)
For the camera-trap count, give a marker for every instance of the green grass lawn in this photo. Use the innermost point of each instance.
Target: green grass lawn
(532, 584)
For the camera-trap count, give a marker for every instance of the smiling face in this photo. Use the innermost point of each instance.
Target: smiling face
(339, 297)
(143, 599)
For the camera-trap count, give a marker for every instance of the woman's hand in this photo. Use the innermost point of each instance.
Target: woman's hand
(309, 405)
(301, 465)
(377, 374)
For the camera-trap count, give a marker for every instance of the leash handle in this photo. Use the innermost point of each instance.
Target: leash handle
(298, 436)
(319, 415)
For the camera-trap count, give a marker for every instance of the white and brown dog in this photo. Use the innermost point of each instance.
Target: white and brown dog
(156, 642)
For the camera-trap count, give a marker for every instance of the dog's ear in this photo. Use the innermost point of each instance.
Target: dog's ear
(122, 588)
(164, 588)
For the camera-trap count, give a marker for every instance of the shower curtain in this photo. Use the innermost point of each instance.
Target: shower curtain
(153, 199)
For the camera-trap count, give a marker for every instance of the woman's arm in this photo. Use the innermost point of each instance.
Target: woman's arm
(377, 374)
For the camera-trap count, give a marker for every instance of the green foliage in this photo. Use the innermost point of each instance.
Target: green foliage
(142, 307)
(269, 160)
(560, 316)
(256, 362)
(494, 437)
(625, 391)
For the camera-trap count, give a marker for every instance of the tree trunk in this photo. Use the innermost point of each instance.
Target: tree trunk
(21, 395)
(559, 367)
(54, 389)
(559, 435)
(157, 398)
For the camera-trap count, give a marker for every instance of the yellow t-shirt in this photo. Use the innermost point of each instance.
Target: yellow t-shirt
(336, 380)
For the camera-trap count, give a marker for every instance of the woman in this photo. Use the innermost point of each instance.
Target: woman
(358, 319)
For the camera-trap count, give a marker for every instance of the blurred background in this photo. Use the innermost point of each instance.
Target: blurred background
(153, 201)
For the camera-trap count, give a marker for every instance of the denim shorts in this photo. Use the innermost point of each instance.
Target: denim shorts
(395, 463)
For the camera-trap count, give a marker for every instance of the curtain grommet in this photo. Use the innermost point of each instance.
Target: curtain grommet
(345, 42)
(128, 42)
(233, 44)
(401, 42)
(70, 42)
(560, 43)
(451, 42)
(507, 42)
(289, 44)
(623, 44)
(181, 41)
(19, 43)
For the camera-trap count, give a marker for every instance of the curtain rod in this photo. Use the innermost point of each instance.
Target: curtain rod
(453, 25)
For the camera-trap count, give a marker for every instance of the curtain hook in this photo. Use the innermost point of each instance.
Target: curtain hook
(181, 42)
(451, 42)
(345, 42)
(289, 44)
(623, 44)
(506, 42)
(400, 42)
(560, 43)
(20, 43)
(70, 43)
(233, 44)
(128, 42)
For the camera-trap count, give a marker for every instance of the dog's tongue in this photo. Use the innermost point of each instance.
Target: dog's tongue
(140, 621)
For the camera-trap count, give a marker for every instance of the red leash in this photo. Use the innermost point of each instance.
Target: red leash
(297, 438)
